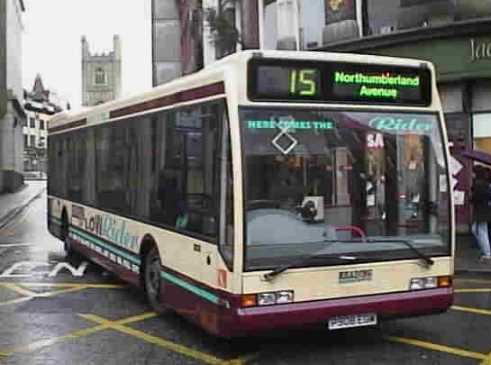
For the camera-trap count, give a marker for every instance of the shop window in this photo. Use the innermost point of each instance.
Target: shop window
(387, 16)
(482, 131)
(471, 9)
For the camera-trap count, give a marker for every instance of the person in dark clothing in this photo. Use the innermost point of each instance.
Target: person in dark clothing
(168, 196)
(482, 211)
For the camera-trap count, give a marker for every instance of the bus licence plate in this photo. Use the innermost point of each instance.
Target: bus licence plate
(356, 320)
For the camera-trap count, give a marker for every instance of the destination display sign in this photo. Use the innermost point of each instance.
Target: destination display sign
(338, 82)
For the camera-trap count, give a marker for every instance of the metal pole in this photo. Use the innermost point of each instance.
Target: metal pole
(260, 11)
(296, 15)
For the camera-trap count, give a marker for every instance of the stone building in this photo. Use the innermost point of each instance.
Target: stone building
(182, 41)
(40, 104)
(12, 115)
(101, 74)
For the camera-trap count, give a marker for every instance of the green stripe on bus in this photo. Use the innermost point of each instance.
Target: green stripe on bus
(173, 279)
(102, 244)
(192, 288)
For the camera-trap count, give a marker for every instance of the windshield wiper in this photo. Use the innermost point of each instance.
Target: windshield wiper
(271, 275)
(426, 259)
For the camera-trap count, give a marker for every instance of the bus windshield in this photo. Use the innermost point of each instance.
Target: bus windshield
(343, 183)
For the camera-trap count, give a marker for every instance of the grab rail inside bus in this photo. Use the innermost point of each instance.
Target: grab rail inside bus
(352, 229)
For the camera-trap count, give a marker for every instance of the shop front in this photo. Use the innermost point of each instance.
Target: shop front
(462, 57)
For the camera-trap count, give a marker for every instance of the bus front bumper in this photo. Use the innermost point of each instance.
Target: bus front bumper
(315, 313)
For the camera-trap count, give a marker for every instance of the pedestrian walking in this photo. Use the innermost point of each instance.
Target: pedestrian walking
(481, 201)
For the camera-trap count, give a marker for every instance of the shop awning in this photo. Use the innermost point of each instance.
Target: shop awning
(479, 156)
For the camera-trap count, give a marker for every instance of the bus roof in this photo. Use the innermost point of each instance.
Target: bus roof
(213, 74)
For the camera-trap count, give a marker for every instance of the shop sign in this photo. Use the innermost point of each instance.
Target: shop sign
(480, 50)
(375, 141)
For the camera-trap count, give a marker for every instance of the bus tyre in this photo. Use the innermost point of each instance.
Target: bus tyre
(153, 281)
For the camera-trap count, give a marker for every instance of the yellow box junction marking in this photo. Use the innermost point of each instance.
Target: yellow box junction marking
(18, 289)
(181, 349)
(471, 310)
(436, 347)
(473, 290)
(74, 335)
(482, 281)
(64, 288)
(120, 326)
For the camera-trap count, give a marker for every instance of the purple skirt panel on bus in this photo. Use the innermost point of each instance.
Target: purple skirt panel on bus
(220, 312)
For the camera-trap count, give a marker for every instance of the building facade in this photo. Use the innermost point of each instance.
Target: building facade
(12, 115)
(101, 74)
(40, 104)
(453, 34)
(176, 39)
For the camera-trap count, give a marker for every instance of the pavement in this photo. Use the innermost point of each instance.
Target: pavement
(467, 256)
(11, 204)
(466, 259)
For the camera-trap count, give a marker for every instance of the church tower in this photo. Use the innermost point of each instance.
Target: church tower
(101, 74)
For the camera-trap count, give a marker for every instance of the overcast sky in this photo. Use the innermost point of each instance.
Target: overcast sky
(51, 42)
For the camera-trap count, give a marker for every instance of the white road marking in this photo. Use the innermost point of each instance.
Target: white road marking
(7, 245)
(26, 269)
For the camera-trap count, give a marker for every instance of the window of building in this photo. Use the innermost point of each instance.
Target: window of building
(470, 9)
(312, 22)
(228, 37)
(32, 122)
(41, 124)
(100, 76)
(387, 16)
(26, 142)
(32, 141)
(482, 131)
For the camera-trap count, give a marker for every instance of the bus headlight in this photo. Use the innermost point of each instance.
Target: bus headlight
(423, 283)
(285, 296)
(280, 297)
(266, 299)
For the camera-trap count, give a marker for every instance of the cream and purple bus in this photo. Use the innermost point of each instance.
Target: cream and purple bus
(271, 190)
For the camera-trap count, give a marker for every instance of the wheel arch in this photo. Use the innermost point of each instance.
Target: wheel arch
(147, 243)
(65, 219)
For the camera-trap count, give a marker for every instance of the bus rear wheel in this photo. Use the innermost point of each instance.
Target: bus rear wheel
(153, 280)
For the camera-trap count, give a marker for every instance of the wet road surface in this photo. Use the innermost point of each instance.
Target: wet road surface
(55, 310)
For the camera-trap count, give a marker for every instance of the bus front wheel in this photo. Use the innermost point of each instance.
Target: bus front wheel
(153, 280)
